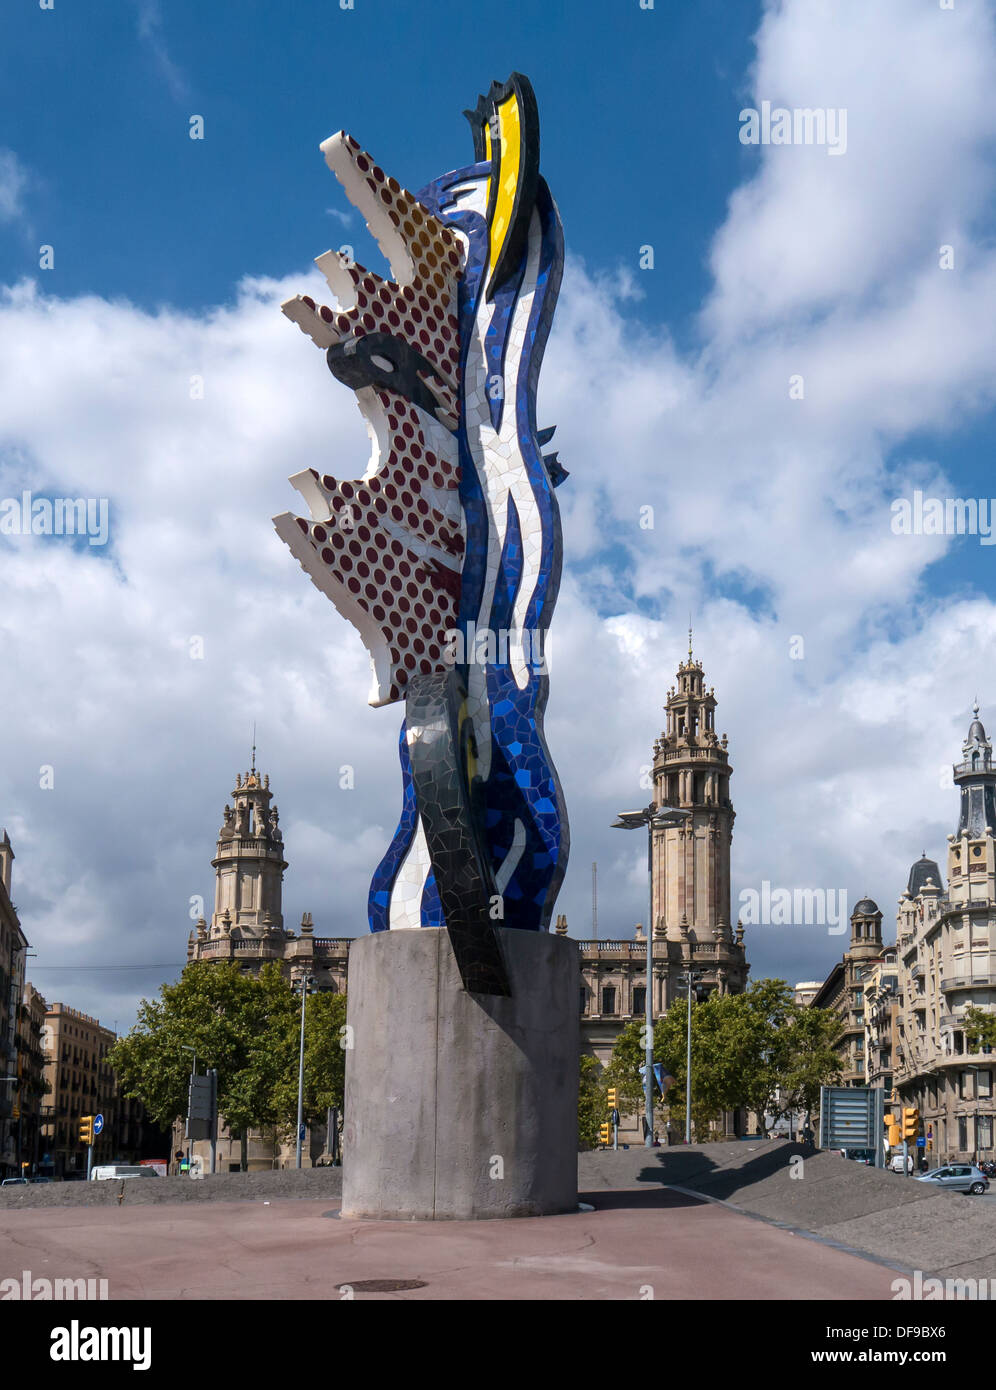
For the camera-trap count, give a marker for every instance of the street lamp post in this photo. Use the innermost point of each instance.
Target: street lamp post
(654, 817)
(185, 1047)
(304, 985)
(690, 976)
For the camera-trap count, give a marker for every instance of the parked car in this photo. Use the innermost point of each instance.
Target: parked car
(957, 1177)
(37, 1180)
(107, 1172)
(14, 1182)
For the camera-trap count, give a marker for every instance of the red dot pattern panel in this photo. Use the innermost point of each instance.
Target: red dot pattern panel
(413, 600)
(366, 545)
(423, 312)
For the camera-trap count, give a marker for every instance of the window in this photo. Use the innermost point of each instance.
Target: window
(640, 999)
(962, 1132)
(608, 1000)
(984, 1135)
(584, 999)
(984, 1084)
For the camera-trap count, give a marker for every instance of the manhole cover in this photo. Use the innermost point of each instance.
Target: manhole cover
(381, 1285)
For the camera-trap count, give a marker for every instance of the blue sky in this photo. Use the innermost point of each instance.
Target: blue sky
(636, 107)
(669, 388)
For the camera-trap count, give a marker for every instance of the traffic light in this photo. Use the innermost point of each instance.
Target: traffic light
(86, 1129)
(911, 1122)
(895, 1133)
(611, 1099)
(604, 1136)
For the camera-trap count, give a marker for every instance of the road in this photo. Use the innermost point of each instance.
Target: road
(659, 1244)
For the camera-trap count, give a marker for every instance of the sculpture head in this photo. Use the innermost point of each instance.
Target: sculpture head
(445, 554)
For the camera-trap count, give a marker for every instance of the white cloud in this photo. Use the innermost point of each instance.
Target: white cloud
(150, 22)
(13, 183)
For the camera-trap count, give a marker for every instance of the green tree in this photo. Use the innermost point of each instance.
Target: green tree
(746, 1049)
(623, 1070)
(592, 1102)
(203, 1010)
(811, 1058)
(246, 1026)
(755, 1041)
(324, 1061)
(980, 1027)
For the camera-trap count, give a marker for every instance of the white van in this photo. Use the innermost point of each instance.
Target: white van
(106, 1172)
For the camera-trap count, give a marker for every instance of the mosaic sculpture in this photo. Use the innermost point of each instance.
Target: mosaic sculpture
(446, 554)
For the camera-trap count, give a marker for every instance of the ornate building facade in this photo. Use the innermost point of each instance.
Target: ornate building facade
(946, 945)
(881, 1008)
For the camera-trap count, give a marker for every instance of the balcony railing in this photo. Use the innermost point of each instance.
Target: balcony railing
(954, 982)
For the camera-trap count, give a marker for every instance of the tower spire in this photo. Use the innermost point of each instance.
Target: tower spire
(689, 637)
(249, 861)
(254, 745)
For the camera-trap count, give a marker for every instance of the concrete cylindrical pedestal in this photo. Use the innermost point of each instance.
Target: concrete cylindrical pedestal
(460, 1106)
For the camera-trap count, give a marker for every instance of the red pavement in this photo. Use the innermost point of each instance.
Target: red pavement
(658, 1244)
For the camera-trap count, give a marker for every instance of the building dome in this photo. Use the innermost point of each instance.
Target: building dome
(922, 872)
(865, 908)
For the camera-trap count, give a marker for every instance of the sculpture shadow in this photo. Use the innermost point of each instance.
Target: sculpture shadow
(698, 1170)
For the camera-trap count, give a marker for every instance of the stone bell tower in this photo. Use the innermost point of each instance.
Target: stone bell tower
(249, 862)
(691, 861)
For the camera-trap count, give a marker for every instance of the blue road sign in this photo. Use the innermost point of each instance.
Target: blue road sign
(921, 1142)
(302, 1133)
(98, 1123)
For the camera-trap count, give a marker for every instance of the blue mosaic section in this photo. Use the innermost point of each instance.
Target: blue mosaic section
(522, 787)
(496, 341)
(379, 900)
(382, 884)
(546, 800)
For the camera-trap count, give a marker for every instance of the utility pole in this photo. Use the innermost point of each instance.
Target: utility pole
(305, 984)
(185, 1047)
(654, 817)
(690, 976)
(213, 1074)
